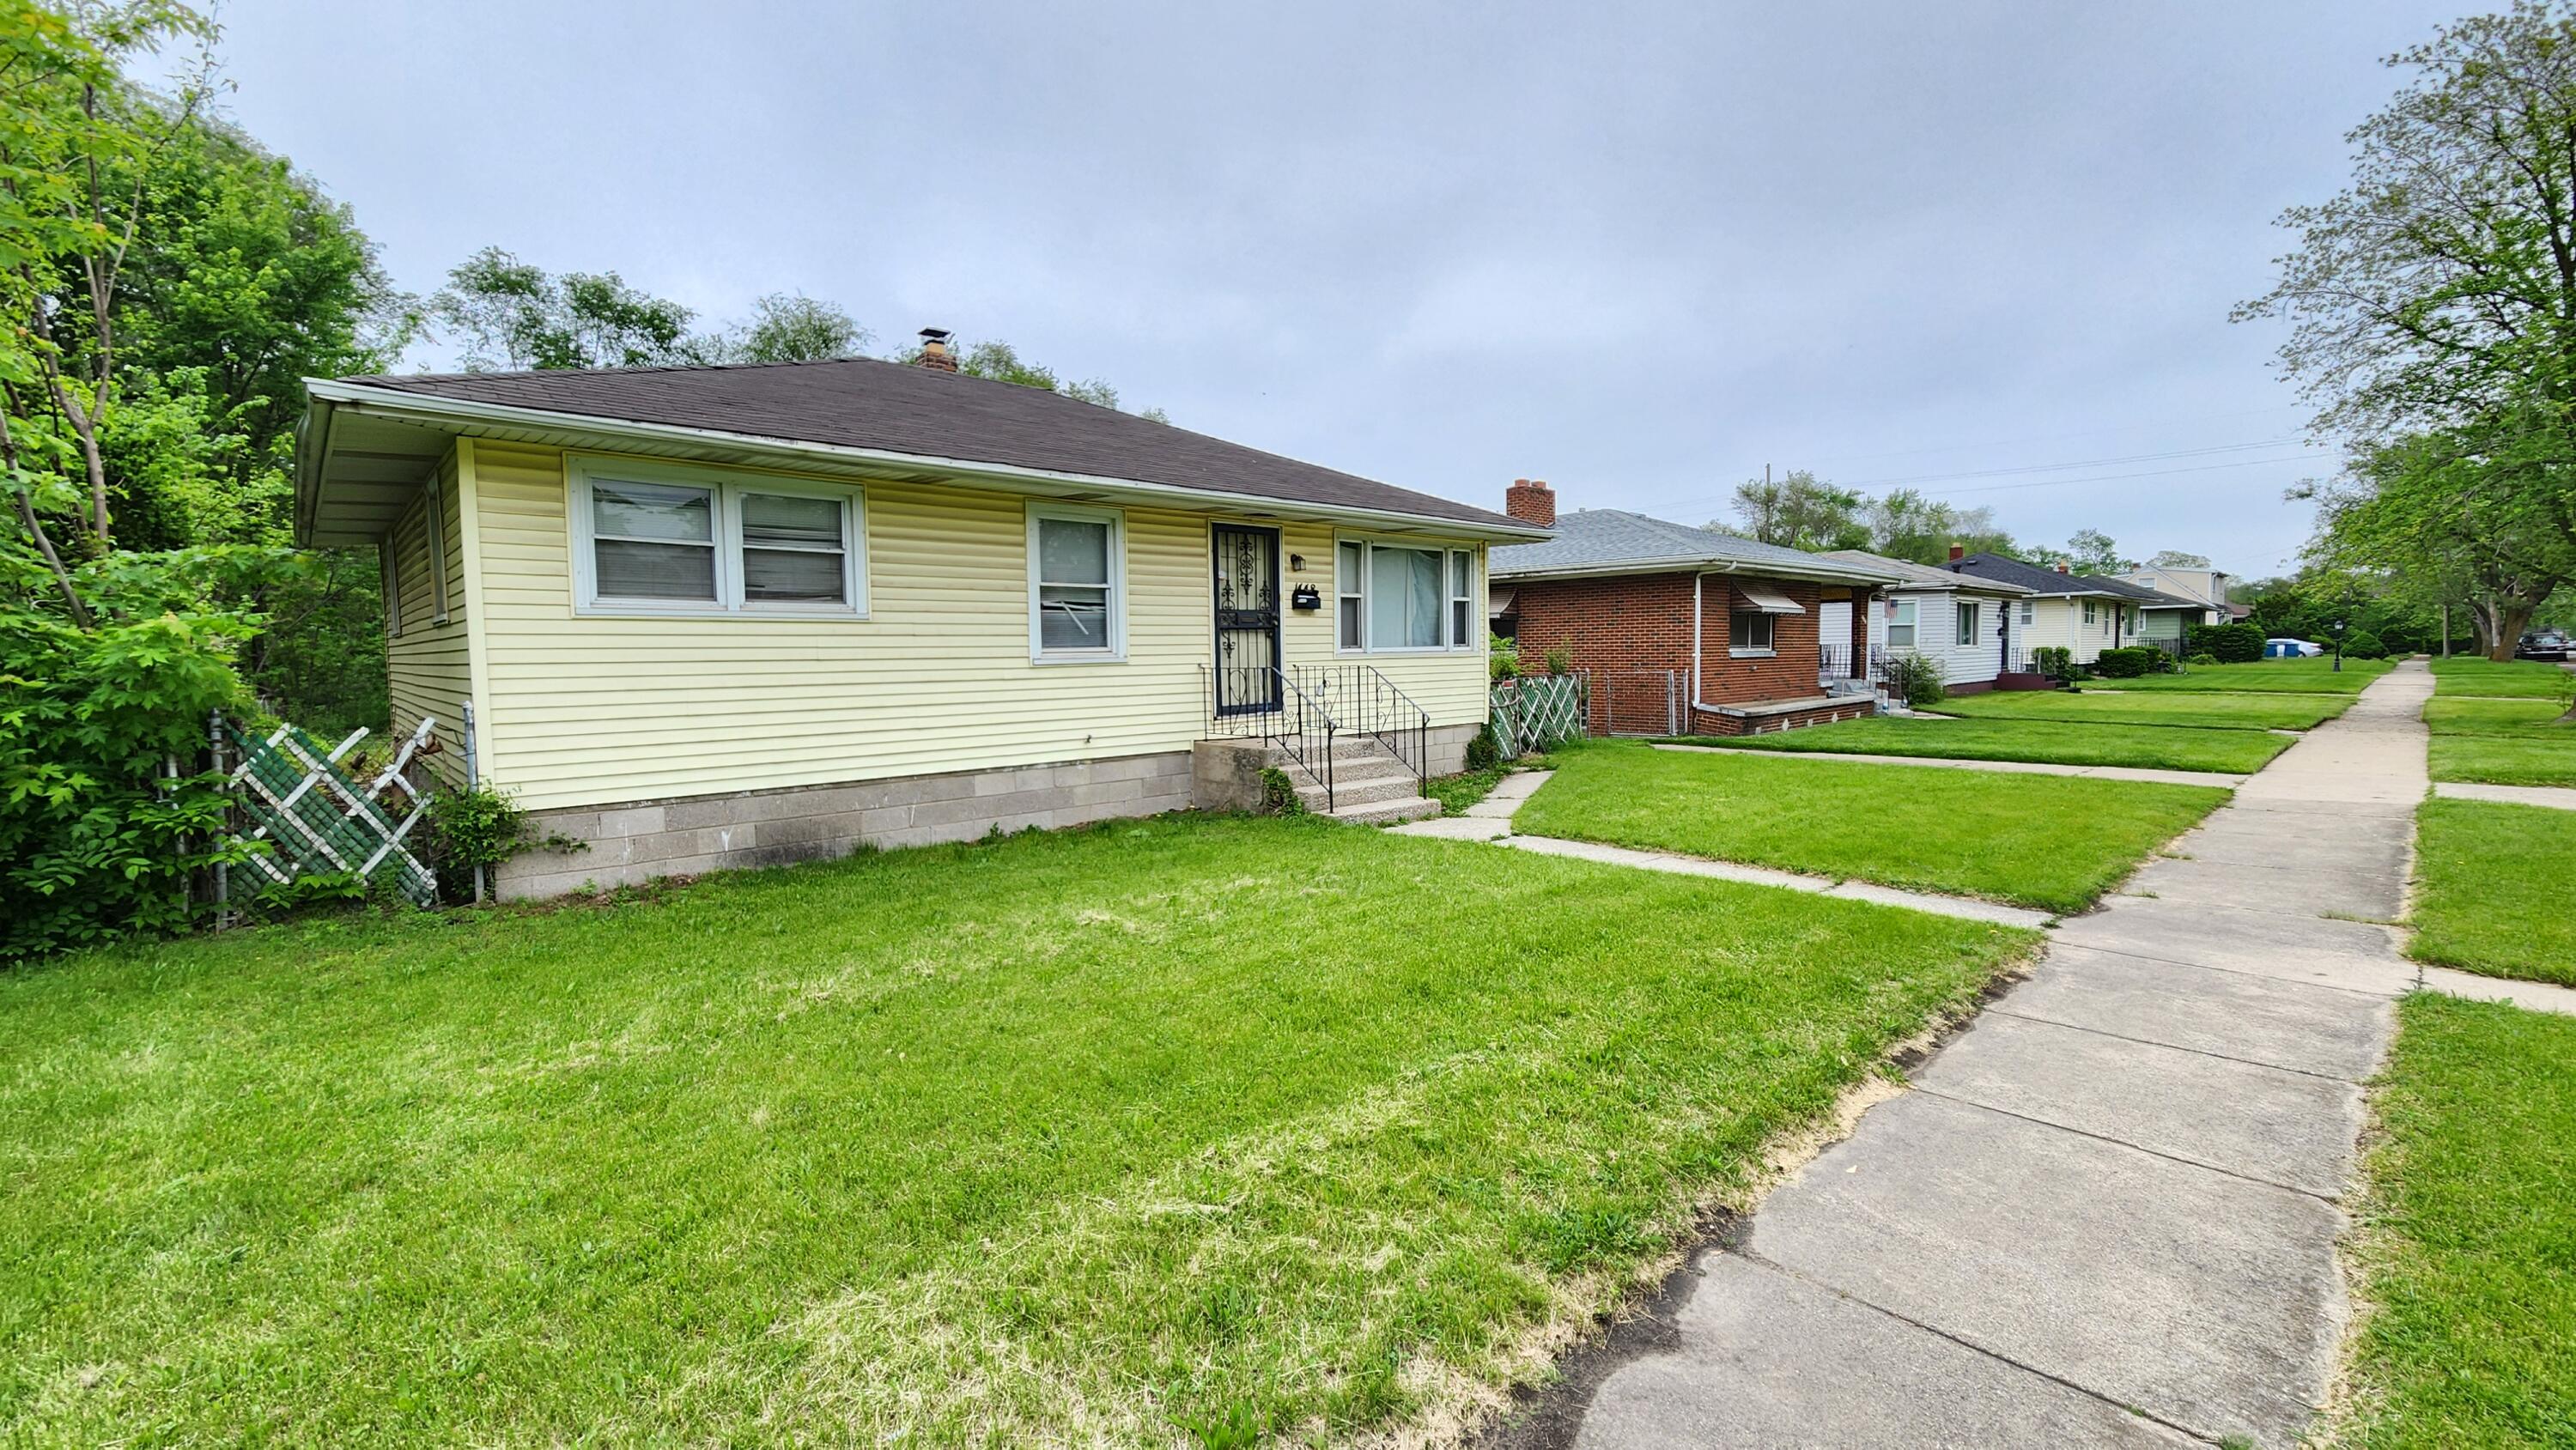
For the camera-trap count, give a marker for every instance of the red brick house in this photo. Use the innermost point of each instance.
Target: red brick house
(1686, 631)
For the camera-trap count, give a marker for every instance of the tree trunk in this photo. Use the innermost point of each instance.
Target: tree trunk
(2510, 621)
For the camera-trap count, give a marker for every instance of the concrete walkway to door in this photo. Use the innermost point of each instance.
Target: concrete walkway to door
(2106, 1214)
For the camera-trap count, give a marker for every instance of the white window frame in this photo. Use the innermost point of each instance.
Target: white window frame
(1904, 614)
(435, 509)
(2029, 611)
(726, 488)
(1755, 651)
(1115, 652)
(2089, 612)
(392, 582)
(1368, 544)
(1466, 617)
(1971, 622)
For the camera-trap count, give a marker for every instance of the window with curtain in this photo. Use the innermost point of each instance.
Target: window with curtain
(1967, 623)
(1074, 574)
(1900, 624)
(1405, 597)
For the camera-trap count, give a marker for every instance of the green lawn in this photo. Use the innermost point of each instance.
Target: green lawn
(1061, 1138)
(2469, 1249)
(2474, 676)
(2501, 741)
(2049, 841)
(2317, 676)
(2491, 889)
(2053, 742)
(2223, 710)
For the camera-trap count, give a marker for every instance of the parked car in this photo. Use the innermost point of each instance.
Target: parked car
(2545, 644)
(2282, 649)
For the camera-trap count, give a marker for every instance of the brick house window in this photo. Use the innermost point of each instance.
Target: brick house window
(1748, 632)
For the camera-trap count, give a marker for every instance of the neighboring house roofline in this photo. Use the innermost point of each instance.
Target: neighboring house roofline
(1599, 543)
(1911, 575)
(2047, 583)
(331, 397)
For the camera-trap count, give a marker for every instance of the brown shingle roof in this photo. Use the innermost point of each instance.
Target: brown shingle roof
(864, 403)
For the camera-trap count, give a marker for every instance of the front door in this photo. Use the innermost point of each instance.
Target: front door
(1247, 619)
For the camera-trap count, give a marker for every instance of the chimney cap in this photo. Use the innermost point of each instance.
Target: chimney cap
(934, 334)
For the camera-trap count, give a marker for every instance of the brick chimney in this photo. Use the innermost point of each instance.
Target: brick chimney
(934, 351)
(1958, 551)
(2061, 568)
(1531, 501)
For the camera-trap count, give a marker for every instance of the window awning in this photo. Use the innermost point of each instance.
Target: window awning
(1769, 601)
(1499, 603)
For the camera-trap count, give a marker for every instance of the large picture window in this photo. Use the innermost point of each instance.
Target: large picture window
(1403, 597)
(666, 539)
(1076, 572)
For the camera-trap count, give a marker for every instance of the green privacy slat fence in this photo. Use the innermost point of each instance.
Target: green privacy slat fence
(314, 818)
(1537, 711)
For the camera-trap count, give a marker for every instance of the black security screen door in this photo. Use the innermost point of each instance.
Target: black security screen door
(1247, 619)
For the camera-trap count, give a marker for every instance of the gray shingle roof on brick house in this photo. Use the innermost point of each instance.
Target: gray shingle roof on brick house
(1614, 541)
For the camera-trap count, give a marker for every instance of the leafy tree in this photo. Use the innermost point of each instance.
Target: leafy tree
(1000, 362)
(1904, 524)
(795, 328)
(2432, 308)
(2092, 551)
(2176, 559)
(513, 315)
(1800, 511)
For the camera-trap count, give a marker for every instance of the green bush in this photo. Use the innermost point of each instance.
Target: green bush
(1502, 658)
(2229, 644)
(1279, 794)
(2203, 659)
(96, 839)
(2055, 661)
(1484, 752)
(2128, 662)
(2361, 644)
(1559, 662)
(1915, 680)
(467, 829)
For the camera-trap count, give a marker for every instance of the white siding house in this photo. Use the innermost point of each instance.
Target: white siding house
(1972, 628)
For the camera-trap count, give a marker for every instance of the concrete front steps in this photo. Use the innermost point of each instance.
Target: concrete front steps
(1371, 787)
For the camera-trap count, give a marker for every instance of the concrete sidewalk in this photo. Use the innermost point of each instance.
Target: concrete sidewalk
(2106, 1214)
(2555, 797)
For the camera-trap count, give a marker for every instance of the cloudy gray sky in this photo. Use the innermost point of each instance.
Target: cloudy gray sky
(1639, 251)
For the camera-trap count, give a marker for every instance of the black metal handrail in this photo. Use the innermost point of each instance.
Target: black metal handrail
(1284, 714)
(1362, 701)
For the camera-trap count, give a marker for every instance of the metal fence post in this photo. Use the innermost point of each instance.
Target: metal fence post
(223, 871)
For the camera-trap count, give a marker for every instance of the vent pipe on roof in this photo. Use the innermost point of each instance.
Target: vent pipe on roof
(934, 351)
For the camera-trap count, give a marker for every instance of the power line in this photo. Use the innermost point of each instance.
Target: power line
(2118, 477)
(2074, 464)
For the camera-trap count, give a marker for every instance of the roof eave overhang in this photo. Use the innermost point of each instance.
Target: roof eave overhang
(1760, 569)
(330, 396)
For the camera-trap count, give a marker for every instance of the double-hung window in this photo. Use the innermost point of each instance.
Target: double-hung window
(1403, 597)
(2029, 611)
(1077, 585)
(1967, 622)
(1748, 631)
(660, 539)
(1900, 623)
(2088, 611)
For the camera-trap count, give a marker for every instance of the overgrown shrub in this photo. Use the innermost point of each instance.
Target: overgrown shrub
(2231, 644)
(1915, 679)
(1503, 658)
(1484, 752)
(2202, 659)
(95, 840)
(1279, 794)
(1559, 662)
(480, 827)
(2127, 662)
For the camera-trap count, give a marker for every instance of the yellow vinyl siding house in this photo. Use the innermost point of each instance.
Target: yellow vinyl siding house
(694, 646)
